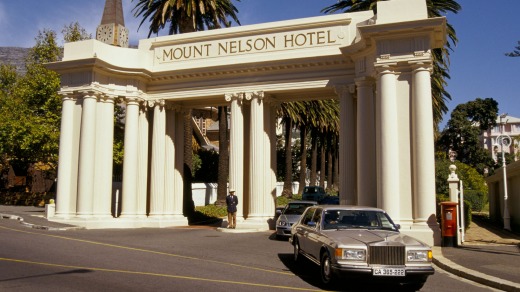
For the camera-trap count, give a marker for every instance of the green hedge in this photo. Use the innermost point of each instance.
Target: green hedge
(25, 199)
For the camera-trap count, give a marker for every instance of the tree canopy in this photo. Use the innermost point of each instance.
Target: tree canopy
(462, 132)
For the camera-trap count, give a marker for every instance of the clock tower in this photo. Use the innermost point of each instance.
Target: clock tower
(112, 29)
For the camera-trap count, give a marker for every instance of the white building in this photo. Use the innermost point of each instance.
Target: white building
(507, 125)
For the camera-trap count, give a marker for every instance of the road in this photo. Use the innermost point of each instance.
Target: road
(167, 259)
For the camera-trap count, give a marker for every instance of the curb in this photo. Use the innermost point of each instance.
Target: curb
(36, 226)
(453, 268)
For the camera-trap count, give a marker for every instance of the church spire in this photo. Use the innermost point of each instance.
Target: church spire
(112, 29)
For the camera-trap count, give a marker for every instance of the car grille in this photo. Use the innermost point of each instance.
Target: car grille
(386, 255)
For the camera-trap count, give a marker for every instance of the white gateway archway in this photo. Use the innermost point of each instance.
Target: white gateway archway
(378, 66)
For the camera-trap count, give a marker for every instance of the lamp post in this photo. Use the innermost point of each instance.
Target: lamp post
(504, 140)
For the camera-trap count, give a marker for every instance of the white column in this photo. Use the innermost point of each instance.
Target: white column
(366, 144)
(388, 144)
(142, 162)
(129, 198)
(104, 156)
(272, 152)
(179, 165)
(236, 150)
(169, 163)
(347, 145)
(157, 170)
(87, 156)
(257, 163)
(65, 194)
(423, 146)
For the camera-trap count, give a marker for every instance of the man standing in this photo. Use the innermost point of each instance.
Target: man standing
(232, 202)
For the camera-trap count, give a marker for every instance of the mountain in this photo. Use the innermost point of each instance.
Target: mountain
(14, 56)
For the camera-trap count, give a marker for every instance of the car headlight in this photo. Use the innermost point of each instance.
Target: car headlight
(419, 256)
(282, 223)
(351, 254)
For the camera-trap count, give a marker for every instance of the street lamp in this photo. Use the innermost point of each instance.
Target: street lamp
(504, 140)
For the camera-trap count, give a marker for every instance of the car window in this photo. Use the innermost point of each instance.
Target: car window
(335, 219)
(317, 217)
(307, 217)
(295, 208)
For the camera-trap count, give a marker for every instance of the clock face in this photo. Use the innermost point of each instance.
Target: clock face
(105, 34)
(123, 37)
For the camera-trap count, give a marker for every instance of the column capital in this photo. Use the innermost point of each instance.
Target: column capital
(254, 94)
(364, 81)
(385, 69)
(342, 90)
(111, 98)
(156, 102)
(239, 96)
(422, 66)
(68, 95)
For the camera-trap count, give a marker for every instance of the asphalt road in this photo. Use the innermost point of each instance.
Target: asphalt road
(167, 259)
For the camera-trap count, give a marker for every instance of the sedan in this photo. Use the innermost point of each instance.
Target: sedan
(360, 242)
(289, 215)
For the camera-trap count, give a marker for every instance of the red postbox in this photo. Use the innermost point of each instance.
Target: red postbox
(449, 223)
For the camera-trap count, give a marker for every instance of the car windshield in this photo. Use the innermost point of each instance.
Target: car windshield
(366, 219)
(295, 208)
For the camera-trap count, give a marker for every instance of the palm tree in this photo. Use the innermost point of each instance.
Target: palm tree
(186, 16)
(440, 74)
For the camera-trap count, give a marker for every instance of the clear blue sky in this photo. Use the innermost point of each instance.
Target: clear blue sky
(478, 68)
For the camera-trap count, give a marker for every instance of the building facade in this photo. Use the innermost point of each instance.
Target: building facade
(378, 66)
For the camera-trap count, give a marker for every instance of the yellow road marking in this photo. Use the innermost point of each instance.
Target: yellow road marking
(149, 251)
(159, 275)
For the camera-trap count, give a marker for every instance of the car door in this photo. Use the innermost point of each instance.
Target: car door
(304, 227)
(314, 241)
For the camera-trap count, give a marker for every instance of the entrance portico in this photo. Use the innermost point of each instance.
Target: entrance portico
(378, 66)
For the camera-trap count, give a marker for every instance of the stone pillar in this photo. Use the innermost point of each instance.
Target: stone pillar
(179, 165)
(453, 184)
(169, 163)
(366, 144)
(256, 167)
(104, 156)
(423, 145)
(158, 156)
(272, 117)
(87, 156)
(66, 193)
(142, 161)
(347, 145)
(236, 149)
(129, 197)
(388, 144)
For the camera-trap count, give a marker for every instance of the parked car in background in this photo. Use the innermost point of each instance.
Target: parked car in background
(313, 193)
(329, 200)
(351, 242)
(289, 215)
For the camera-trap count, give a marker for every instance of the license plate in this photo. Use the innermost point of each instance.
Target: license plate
(395, 272)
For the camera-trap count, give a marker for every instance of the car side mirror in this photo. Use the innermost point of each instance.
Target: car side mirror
(398, 226)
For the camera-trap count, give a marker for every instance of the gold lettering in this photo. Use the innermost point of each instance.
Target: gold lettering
(167, 55)
(289, 39)
(329, 38)
(221, 48)
(321, 37)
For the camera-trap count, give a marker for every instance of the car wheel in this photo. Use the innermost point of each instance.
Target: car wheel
(326, 269)
(296, 247)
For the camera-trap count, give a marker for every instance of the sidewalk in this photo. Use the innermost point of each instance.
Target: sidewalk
(489, 254)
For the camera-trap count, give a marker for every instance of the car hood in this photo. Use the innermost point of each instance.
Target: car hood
(371, 237)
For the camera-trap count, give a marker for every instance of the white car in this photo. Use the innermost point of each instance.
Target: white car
(360, 242)
(289, 215)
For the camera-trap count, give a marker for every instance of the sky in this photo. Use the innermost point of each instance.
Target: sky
(478, 65)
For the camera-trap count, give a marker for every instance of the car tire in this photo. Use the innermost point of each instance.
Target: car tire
(326, 269)
(296, 247)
